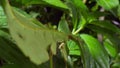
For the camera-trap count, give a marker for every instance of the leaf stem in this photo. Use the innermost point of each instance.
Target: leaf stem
(77, 31)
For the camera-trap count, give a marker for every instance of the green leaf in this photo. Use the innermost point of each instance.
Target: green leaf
(3, 21)
(5, 35)
(107, 25)
(96, 50)
(81, 8)
(79, 14)
(88, 60)
(80, 5)
(73, 48)
(63, 26)
(110, 48)
(12, 55)
(95, 7)
(93, 16)
(56, 3)
(112, 36)
(101, 30)
(116, 65)
(6, 51)
(108, 4)
(31, 38)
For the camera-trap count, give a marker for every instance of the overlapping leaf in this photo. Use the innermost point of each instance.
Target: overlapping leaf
(107, 25)
(110, 48)
(108, 4)
(73, 48)
(31, 37)
(107, 29)
(79, 14)
(63, 26)
(56, 3)
(96, 50)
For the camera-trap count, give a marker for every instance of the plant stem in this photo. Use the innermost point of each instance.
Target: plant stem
(77, 31)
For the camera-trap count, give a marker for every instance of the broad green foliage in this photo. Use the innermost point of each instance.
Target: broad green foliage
(60, 34)
(108, 4)
(32, 39)
(88, 60)
(79, 12)
(96, 50)
(10, 53)
(106, 24)
(110, 49)
(56, 3)
(117, 61)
